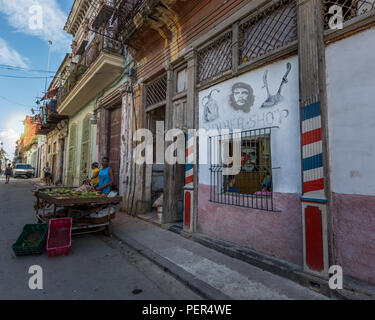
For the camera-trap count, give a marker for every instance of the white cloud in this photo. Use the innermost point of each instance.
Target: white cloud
(49, 27)
(12, 132)
(10, 56)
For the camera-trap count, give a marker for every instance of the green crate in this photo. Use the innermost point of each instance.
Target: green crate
(21, 247)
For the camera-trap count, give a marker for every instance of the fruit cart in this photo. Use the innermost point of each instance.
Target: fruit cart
(82, 207)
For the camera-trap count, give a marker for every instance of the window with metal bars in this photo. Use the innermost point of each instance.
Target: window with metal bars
(252, 186)
(268, 30)
(156, 92)
(350, 9)
(215, 59)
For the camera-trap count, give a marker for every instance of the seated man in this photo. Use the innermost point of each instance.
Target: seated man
(231, 183)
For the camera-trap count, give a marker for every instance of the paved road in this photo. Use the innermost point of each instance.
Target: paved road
(98, 267)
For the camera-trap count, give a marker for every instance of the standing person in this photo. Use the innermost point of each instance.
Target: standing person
(105, 177)
(47, 174)
(8, 173)
(94, 181)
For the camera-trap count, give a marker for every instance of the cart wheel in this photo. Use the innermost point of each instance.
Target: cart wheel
(108, 230)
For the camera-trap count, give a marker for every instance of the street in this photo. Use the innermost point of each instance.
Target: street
(97, 268)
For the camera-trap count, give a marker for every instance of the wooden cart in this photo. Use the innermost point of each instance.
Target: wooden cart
(78, 209)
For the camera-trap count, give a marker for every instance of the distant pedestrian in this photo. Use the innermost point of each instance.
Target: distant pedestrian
(47, 174)
(8, 173)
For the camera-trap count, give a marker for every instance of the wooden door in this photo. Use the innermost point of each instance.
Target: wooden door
(72, 154)
(115, 144)
(54, 167)
(85, 149)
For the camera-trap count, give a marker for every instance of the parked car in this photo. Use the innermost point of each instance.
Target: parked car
(23, 170)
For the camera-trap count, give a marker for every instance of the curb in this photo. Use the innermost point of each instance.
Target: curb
(353, 288)
(270, 264)
(198, 286)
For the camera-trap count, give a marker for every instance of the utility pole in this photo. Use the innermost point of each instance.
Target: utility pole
(48, 62)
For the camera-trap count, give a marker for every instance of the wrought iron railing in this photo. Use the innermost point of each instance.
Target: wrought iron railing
(126, 11)
(100, 43)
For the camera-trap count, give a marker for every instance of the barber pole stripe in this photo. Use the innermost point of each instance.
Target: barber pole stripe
(312, 150)
(189, 183)
(189, 175)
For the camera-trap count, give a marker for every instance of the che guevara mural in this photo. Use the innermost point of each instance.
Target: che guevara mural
(260, 98)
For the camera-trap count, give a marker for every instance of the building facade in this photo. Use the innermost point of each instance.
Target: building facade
(269, 100)
(270, 71)
(97, 71)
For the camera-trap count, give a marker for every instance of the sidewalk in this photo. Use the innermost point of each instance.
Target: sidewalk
(210, 273)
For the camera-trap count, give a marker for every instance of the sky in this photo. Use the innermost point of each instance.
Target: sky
(26, 26)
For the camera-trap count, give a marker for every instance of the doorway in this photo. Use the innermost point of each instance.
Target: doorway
(157, 176)
(114, 144)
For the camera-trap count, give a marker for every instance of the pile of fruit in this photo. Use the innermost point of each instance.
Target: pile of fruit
(74, 193)
(32, 240)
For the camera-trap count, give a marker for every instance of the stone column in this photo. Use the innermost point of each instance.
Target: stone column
(170, 208)
(190, 190)
(315, 213)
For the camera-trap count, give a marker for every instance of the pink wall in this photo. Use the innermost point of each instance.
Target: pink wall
(274, 233)
(354, 236)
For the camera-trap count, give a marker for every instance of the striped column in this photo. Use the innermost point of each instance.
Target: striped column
(189, 183)
(311, 53)
(312, 144)
(313, 200)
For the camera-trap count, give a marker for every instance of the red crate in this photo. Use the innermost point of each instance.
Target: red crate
(59, 239)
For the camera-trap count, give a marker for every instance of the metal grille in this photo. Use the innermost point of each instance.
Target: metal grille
(252, 186)
(215, 59)
(268, 30)
(156, 92)
(350, 9)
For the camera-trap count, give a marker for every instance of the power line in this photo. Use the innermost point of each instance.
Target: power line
(22, 77)
(20, 104)
(13, 68)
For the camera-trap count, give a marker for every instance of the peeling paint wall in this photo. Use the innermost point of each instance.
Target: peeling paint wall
(351, 124)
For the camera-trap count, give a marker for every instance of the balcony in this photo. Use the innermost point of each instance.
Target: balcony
(48, 118)
(126, 11)
(100, 65)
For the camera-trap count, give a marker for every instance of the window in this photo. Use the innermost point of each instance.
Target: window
(23, 166)
(181, 81)
(156, 92)
(252, 186)
(215, 58)
(350, 9)
(268, 30)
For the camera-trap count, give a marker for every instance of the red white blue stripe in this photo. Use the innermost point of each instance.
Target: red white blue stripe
(189, 174)
(312, 152)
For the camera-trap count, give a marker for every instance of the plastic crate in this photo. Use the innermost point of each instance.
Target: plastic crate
(40, 230)
(59, 239)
